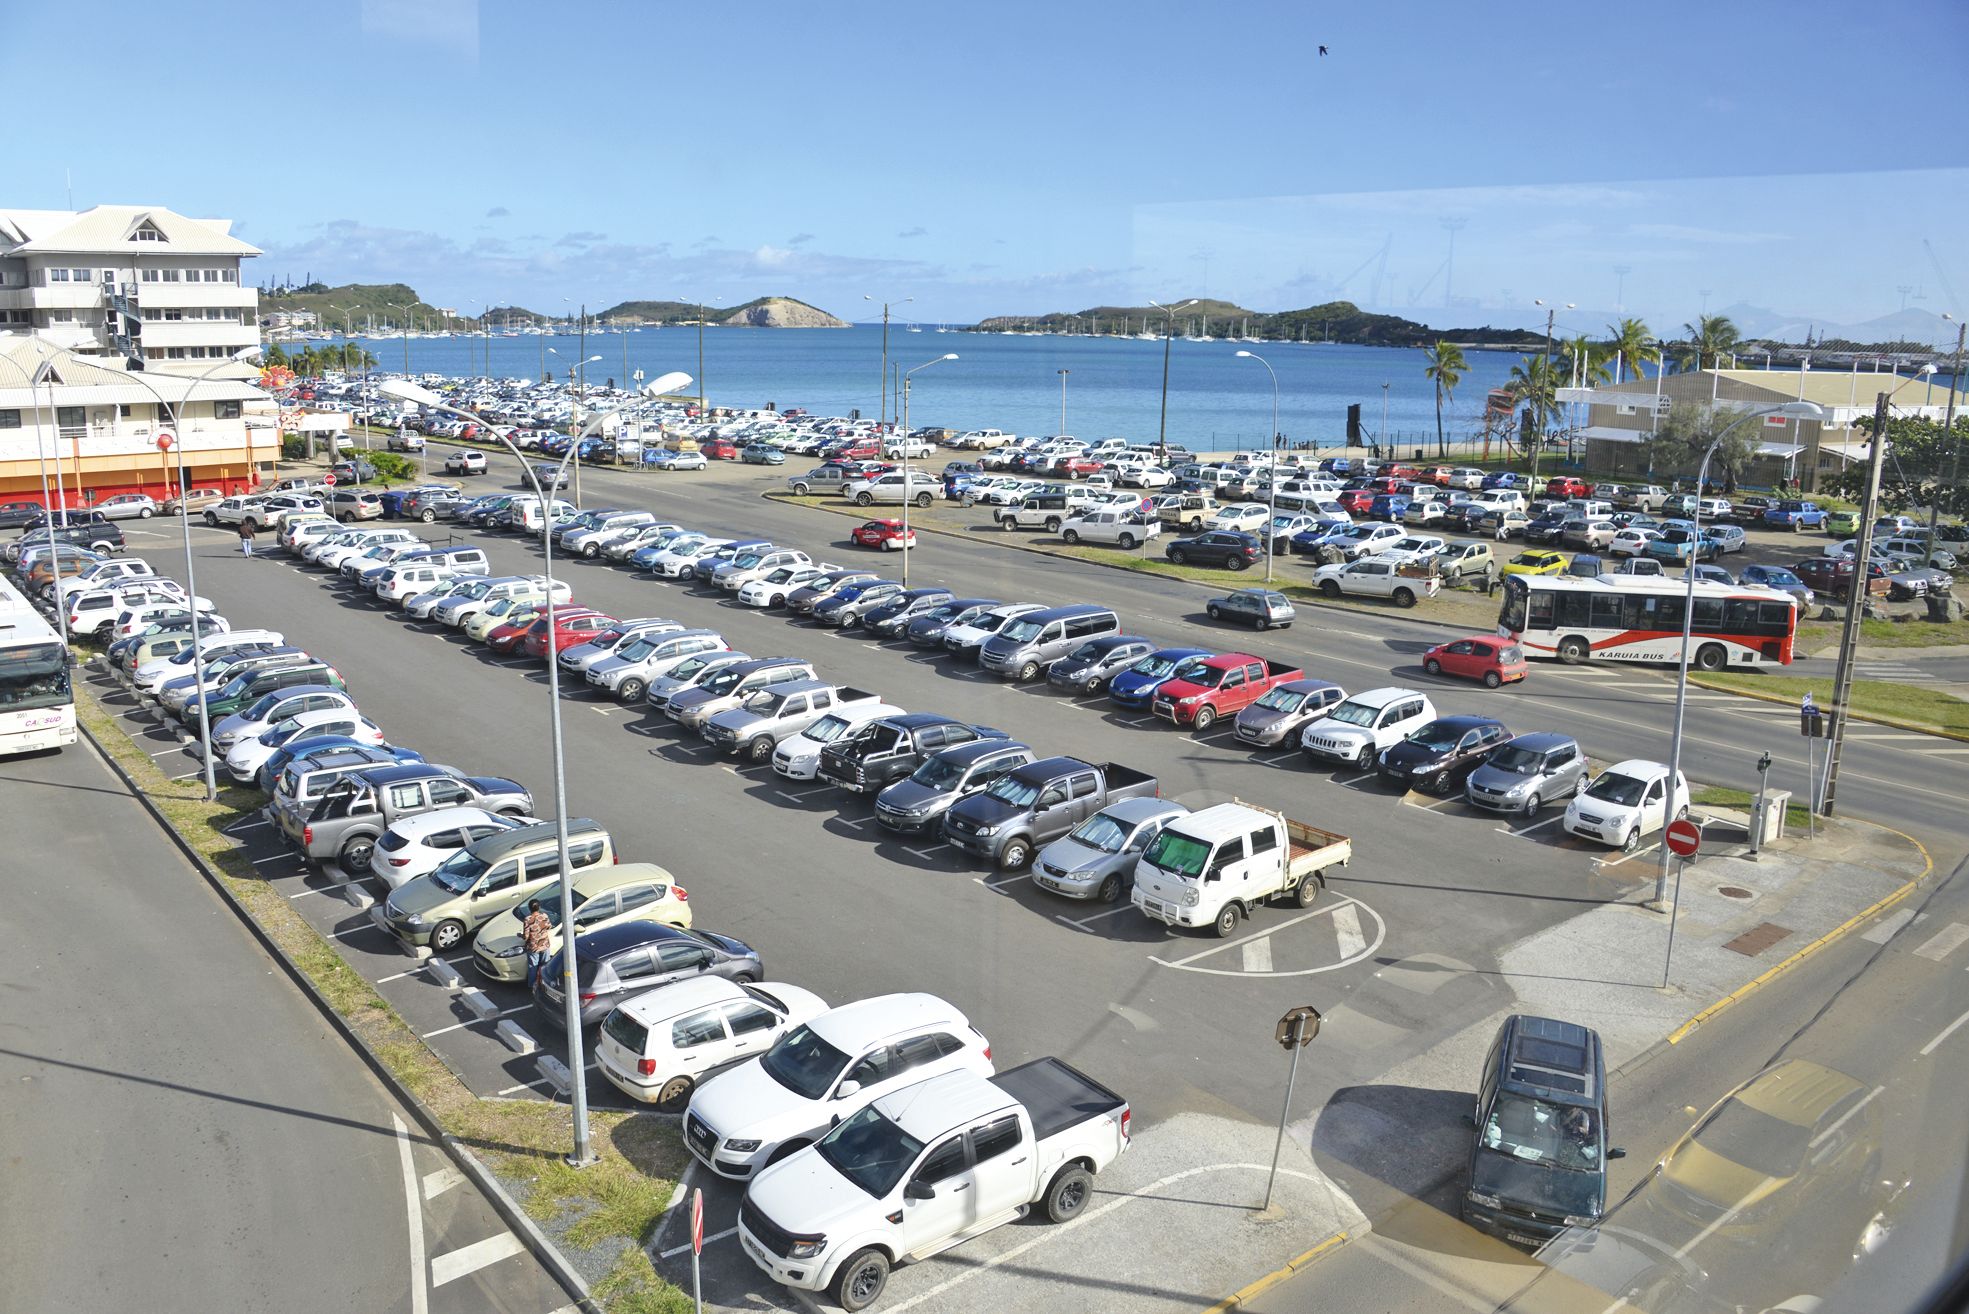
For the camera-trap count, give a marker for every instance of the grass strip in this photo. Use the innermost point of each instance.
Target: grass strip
(1715, 796)
(523, 1141)
(1911, 706)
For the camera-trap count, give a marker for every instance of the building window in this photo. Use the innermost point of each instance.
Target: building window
(174, 353)
(109, 278)
(170, 275)
(150, 275)
(70, 417)
(226, 410)
(146, 234)
(124, 410)
(228, 275)
(58, 276)
(10, 419)
(79, 275)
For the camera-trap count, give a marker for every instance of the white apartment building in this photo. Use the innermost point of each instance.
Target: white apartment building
(129, 281)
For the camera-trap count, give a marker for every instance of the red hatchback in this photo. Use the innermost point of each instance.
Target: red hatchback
(1566, 486)
(1356, 501)
(885, 534)
(1484, 657)
(1082, 465)
(719, 449)
(570, 628)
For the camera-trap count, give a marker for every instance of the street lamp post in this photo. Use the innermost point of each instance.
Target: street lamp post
(176, 415)
(577, 372)
(1271, 481)
(907, 492)
(882, 416)
(703, 406)
(1162, 426)
(1538, 444)
(1948, 443)
(1063, 400)
(1789, 410)
(578, 1091)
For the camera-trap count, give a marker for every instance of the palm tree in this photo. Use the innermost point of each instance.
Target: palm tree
(1632, 345)
(1534, 382)
(1584, 364)
(1445, 369)
(1711, 337)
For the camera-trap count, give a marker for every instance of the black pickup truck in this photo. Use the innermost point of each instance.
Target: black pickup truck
(1038, 803)
(887, 750)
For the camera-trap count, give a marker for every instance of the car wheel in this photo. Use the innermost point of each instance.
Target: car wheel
(211, 520)
(144, 514)
(356, 852)
(1433, 667)
(923, 501)
(1329, 588)
(1439, 783)
(760, 749)
(1364, 760)
(861, 1280)
(1573, 650)
(675, 1094)
(864, 499)
(1261, 625)
(590, 551)
(1070, 537)
(801, 490)
(448, 935)
(1030, 671)
(1532, 804)
(1052, 524)
(1404, 597)
(1213, 613)
(1711, 657)
(1127, 541)
(1015, 855)
(1632, 841)
(1176, 558)
(1069, 1193)
(1196, 524)
(1110, 891)
(1226, 922)
(1492, 679)
(1205, 718)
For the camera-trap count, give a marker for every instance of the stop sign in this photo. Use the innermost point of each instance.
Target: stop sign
(1683, 838)
(329, 479)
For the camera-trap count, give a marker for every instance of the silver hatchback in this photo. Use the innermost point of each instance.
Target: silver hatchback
(1527, 773)
(1096, 860)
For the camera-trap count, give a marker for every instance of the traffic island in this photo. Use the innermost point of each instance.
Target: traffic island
(585, 1225)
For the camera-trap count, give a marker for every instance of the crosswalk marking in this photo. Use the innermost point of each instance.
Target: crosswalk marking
(1347, 930)
(1258, 954)
(1944, 942)
(1890, 926)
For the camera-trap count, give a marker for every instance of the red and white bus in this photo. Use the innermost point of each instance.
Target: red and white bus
(1638, 618)
(37, 705)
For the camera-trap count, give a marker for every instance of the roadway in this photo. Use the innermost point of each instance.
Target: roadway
(183, 1131)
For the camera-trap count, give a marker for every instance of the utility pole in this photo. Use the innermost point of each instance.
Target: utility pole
(1949, 443)
(1849, 633)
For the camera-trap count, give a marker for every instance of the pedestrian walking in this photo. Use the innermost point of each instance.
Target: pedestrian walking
(535, 931)
(246, 538)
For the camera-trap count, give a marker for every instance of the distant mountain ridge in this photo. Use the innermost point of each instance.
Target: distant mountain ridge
(1333, 321)
(760, 312)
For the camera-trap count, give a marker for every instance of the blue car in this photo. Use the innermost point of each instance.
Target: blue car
(1308, 542)
(1135, 687)
(659, 457)
(1337, 465)
(306, 748)
(1501, 479)
(1795, 515)
(1388, 506)
(1781, 578)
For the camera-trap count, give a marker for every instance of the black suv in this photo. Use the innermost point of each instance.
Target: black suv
(1225, 549)
(1440, 755)
(1539, 1163)
(882, 752)
(103, 536)
(1546, 527)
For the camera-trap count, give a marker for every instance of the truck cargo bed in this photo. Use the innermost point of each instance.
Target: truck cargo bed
(1056, 1095)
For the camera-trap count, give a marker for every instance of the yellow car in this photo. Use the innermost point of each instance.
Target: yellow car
(1794, 1135)
(487, 619)
(1536, 563)
(603, 896)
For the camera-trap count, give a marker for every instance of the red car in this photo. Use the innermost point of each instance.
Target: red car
(885, 534)
(1483, 657)
(1356, 501)
(506, 639)
(1566, 486)
(719, 449)
(569, 630)
(1082, 465)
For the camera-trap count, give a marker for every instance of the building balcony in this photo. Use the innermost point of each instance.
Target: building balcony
(200, 294)
(198, 333)
(55, 296)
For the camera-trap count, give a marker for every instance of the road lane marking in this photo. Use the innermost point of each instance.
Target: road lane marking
(472, 1022)
(1944, 942)
(674, 1251)
(466, 1260)
(385, 980)
(1827, 1134)
(414, 1209)
(1347, 930)
(1890, 925)
(1946, 1032)
(1258, 954)
(437, 1183)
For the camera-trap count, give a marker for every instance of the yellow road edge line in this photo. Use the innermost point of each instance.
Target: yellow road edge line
(1252, 1290)
(1683, 1032)
(1871, 718)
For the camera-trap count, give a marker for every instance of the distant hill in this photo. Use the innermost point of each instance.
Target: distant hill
(1335, 321)
(760, 312)
(358, 305)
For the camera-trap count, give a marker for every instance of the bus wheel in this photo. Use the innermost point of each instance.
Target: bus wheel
(1573, 650)
(1710, 657)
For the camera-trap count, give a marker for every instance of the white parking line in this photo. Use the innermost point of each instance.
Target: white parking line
(929, 849)
(674, 1251)
(857, 823)
(335, 889)
(466, 1260)
(1436, 807)
(275, 857)
(1605, 864)
(248, 825)
(472, 1022)
(384, 980)
(1549, 821)
(999, 885)
(414, 1209)
(791, 797)
(1083, 922)
(437, 1183)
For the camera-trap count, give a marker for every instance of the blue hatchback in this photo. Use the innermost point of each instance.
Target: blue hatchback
(1135, 687)
(1501, 479)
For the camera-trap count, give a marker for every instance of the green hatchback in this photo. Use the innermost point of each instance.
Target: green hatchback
(1842, 524)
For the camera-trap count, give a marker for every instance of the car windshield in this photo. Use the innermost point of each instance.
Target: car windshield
(1612, 787)
(693, 667)
(459, 872)
(1757, 1140)
(939, 772)
(280, 732)
(1281, 700)
(1018, 793)
(870, 1151)
(804, 1063)
(747, 560)
(1178, 854)
(1437, 736)
(1022, 631)
(1538, 1131)
(636, 649)
(1517, 760)
(1776, 575)
(1101, 832)
(723, 682)
(34, 676)
(1353, 713)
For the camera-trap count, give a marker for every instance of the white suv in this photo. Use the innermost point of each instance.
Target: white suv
(1625, 802)
(1356, 731)
(824, 1071)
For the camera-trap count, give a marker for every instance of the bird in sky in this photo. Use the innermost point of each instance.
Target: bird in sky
(1322, 51)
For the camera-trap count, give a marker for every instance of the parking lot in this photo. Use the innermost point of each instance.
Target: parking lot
(1179, 1023)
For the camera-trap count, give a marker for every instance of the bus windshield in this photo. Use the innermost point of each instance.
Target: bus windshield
(35, 676)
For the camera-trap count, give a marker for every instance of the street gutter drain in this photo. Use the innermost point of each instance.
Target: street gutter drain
(1758, 938)
(1734, 892)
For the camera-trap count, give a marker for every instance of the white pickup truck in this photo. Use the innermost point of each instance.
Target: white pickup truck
(928, 1168)
(1123, 527)
(1379, 577)
(1211, 868)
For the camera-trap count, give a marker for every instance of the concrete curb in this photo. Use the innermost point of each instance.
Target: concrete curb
(1871, 718)
(1252, 1290)
(1017, 545)
(508, 1209)
(1688, 1028)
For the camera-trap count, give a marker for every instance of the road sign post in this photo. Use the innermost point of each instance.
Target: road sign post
(1295, 1031)
(697, 1246)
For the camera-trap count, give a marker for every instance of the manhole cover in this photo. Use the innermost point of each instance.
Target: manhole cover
(1734, 892)
(1759, 938)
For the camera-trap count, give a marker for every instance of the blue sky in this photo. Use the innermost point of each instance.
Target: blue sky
(1020, 158)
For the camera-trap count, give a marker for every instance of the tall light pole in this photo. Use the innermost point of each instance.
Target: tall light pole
(1849, 631)
(1790, 410)
(1063, 400)
(1271, 481)
(1162, 426)
(883, 414)
(1382, 440)
(907, 492)
(176, 416)
(45, 377)
(1538, 445)
(703, 406)
(1949, 442)
(406, 335)
(577, 373)
(578, 1091)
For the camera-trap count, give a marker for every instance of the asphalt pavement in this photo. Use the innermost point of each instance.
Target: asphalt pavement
(182, 1129)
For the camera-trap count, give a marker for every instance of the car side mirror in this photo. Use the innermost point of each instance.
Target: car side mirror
(919, 1191)
(1616, 1153)
(846, 1089)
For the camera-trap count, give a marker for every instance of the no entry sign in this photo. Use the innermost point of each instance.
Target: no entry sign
(1683, 838)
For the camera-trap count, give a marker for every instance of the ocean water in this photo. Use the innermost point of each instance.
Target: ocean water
(1011, 382)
